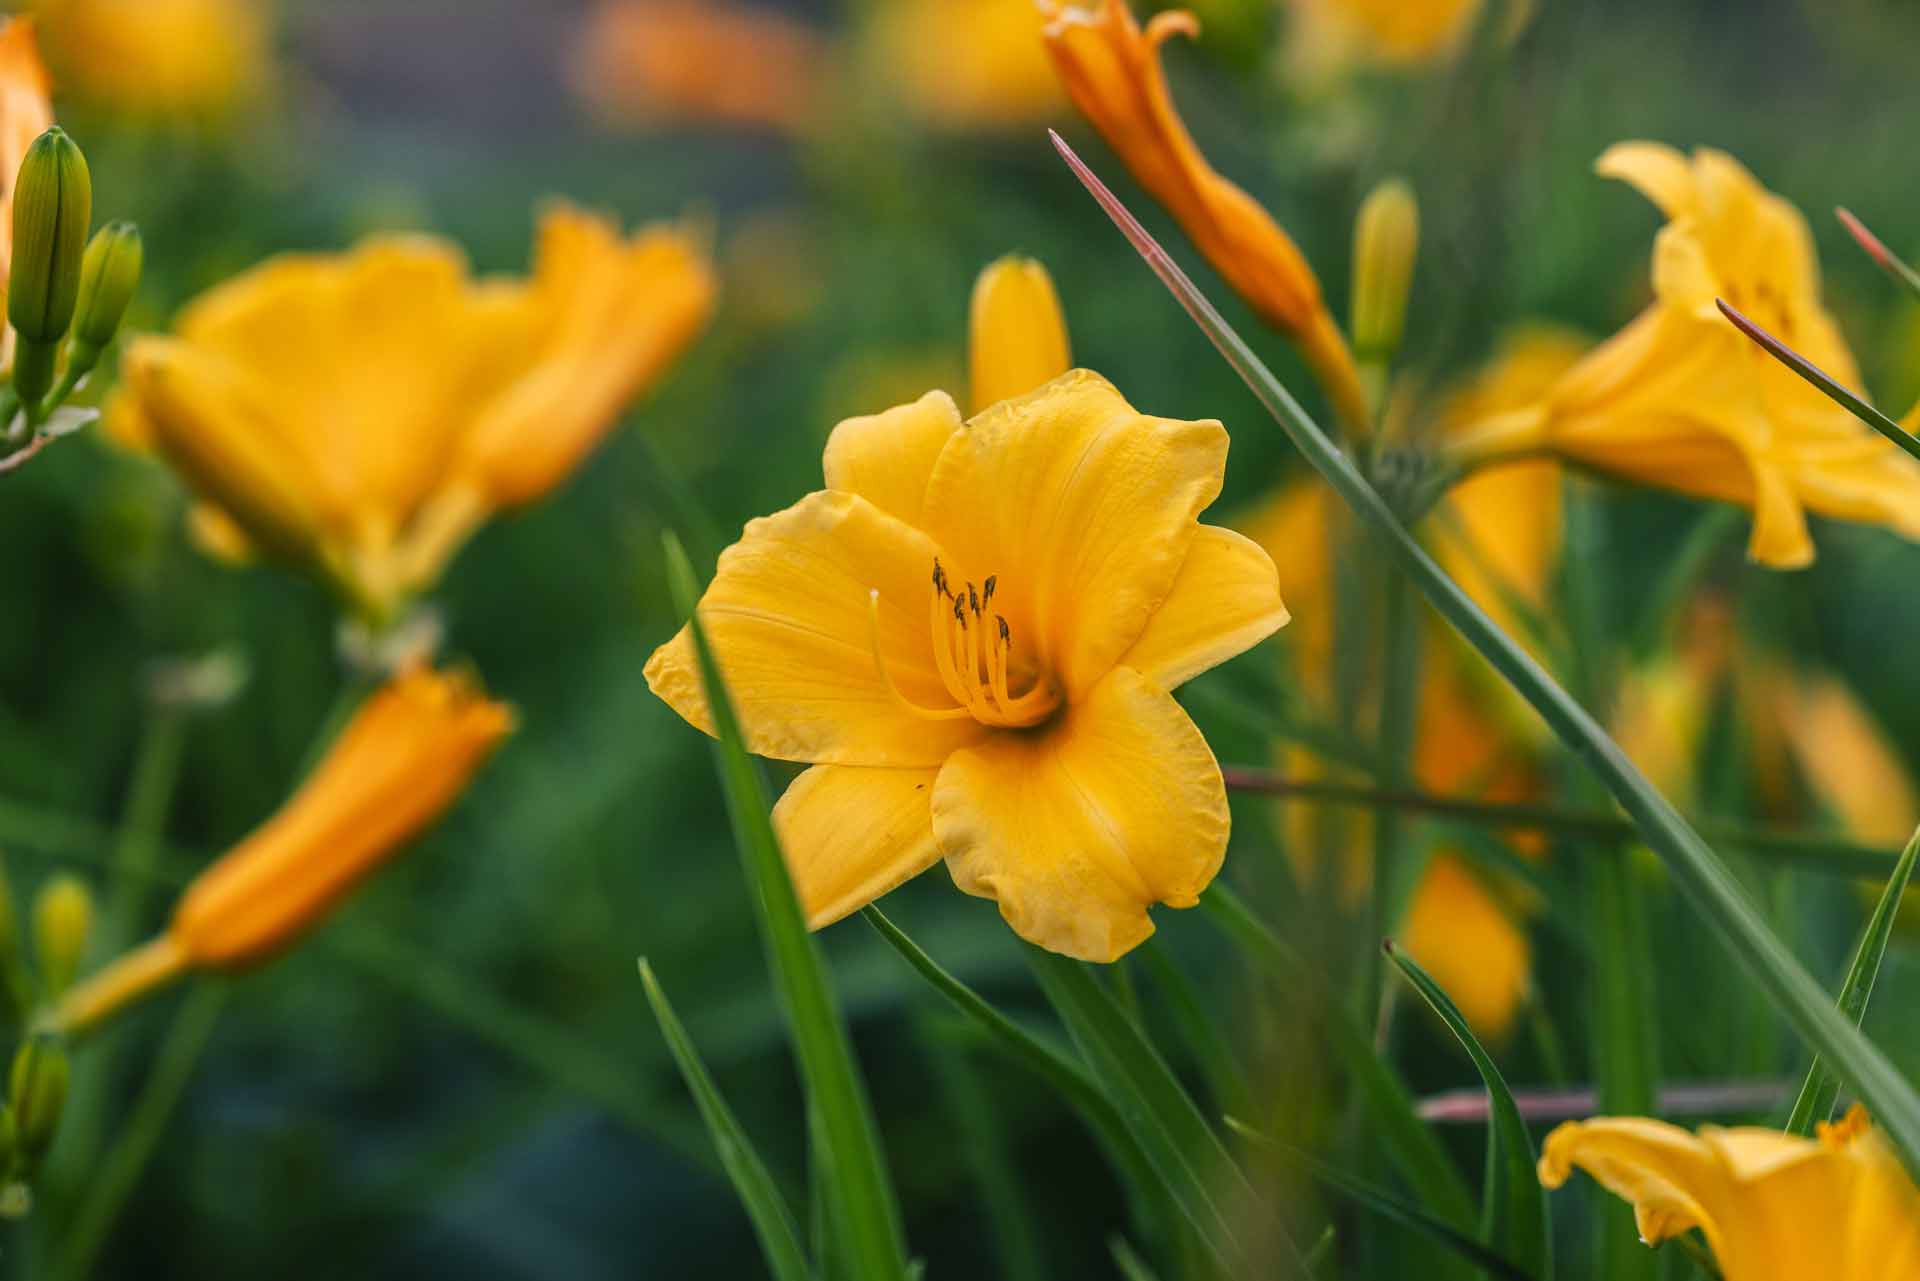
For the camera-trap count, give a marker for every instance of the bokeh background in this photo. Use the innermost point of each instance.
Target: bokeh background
(459, 1076)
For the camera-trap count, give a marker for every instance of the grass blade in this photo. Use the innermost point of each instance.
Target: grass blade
(1817, 1095)
(1370, 1198)
(1822, 381)
(1889, 261)
(1516, 1207)
(1409, 1141)
(772, 1220)
(1157, 1108)
(1224, 1077)
(862, 1190)
(1701, 875)
(1130, 1265)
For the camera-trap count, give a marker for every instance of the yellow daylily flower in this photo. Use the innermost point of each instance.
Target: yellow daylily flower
(1467, 935)
(1016, 334)
(26, 112)
(160, 59)
(1681, 400)
(362, 413)
(655, 60)
(962, 64)
(1773, 1207)
(1848, 761)
(970, 635)
(1394, 32)
(401, 762)
(1111, 68)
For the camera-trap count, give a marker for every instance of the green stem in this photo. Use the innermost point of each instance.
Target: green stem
(1705, 880)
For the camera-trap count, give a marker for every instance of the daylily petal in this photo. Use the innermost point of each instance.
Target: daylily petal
(1471, 944)
(1660, 173)
(1225, 601)
(888, 458)
(851, 834)
(1082, 507)
(26, 112)
(788, 614)
(1076, 829)
(1017, 337)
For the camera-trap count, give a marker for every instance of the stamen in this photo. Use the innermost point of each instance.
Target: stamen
(886, 677)
(975, 662)
(986, 594)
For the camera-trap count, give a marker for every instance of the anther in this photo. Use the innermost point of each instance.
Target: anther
(986, 593)
(1006, 634)
(973, 601)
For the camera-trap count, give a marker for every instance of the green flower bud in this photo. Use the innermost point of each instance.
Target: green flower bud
(62, 919)
(52, 208)
(37, 1090)
(1386, 240)
(109, 272)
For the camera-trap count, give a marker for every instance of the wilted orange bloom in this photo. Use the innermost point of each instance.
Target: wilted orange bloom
(26, 112)
(360, 414)
(962, 64)
(1682, 400)
(401, 762)
(1112, 70)
(159, 58)
(1772, 1206)
(665, 60)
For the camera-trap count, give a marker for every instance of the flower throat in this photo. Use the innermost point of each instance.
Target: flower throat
(973, 649)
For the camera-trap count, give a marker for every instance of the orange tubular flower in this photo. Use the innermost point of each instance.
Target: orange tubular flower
(1111, 68)
(26, 112)
(402, 761)
(361, 414)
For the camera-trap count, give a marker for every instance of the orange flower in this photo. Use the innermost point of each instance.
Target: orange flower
(402, 761)
(963, 64)
(657, 59)
(1112, 70)
(26, 112)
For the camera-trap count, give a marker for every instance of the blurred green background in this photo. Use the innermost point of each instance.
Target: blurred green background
(459, 1075)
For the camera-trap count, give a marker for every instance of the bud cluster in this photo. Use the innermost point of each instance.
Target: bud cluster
(35, 1093)
(66, 295)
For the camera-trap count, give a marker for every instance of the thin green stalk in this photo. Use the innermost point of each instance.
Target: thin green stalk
(1705, 880)
(1889, 261)
(862, 1191)
(1817, 1095)
(1393, 881)
(115, 1179)
(1822, 381)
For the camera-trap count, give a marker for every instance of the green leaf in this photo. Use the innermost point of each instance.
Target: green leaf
(772, 1220)
(1701, 875)
(1162, 1115)
(1370, 1198)
(1515, 1205)
(1822, 381)
(1889, 261)
(1412, 1146)
(1132, 1266)
(863, 1194)
(1817, 1095)
(1209, 1047)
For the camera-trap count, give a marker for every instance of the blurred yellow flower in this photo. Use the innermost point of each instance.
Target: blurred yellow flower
(362, 413)
(962, 64)
(1112, 70)
(1468, 937)
(657, 60)
(1397, 32)
(970, 636)
(1849, 764)
(1773, 1207)
(1680, 399)
(159, 59)
(1016, 334)
(26, 112)
(401, 762)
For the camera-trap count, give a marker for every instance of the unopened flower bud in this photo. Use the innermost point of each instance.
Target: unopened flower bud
(37, 1091)
(52, 207)
(62, 919)
(1386, 241)
(109, 272)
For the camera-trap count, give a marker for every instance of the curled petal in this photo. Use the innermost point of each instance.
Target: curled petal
(851, 834)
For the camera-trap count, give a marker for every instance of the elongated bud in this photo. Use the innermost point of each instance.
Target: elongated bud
(109, 273)
(62, 919)
(52, 208)
(1017, 338)
(1386, 242)
(37, 1092)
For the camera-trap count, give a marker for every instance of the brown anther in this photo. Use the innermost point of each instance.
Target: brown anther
(1006, 634)
(960, 612)
(986, 593)
(939, 578)
(973, 601)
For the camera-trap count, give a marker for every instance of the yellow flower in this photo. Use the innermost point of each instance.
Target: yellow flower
(963, 64)
(1467, 936)
(26, 112)
(401, 762)
(1017, 337)
(1680, 399)
(970, 634)
(1847, 761)
(1330, 34)
(362, 413)
(1773, 1207)
(159, 58)
(1112, 70)
(656, 60)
